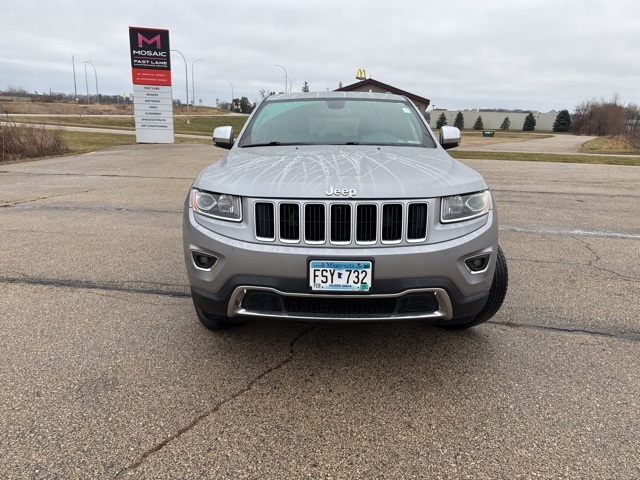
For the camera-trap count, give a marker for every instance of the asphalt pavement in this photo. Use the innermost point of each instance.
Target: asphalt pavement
(105, 371)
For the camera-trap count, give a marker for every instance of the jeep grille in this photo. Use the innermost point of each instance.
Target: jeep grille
(341, 223)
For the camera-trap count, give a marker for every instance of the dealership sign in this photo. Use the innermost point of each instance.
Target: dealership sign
(151, 74)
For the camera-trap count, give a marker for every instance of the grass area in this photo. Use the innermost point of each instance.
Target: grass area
(546, 157)
(612, 145)
(199, 125)
(83, 142)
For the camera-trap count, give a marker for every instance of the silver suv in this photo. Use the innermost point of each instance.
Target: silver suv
(341, 207)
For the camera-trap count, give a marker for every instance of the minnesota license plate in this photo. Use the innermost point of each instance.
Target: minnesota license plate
(340, 276)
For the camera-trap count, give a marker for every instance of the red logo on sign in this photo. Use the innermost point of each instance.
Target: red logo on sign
(142, 39)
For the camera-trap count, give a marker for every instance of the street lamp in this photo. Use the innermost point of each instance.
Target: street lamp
(193, 82)
(86, 81)
(231, 95)
(286, 78)
(186, 82)
(95, 73)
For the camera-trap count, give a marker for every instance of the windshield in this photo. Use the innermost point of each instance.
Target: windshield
(336, 122)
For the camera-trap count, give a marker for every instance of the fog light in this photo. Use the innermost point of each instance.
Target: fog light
(478, 264)
(203, 261)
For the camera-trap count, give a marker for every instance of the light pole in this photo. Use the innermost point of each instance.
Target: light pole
(231, 95)
(75, 85)
(95, 73)
(286, 78)
(193, 82)
(186, 82)
(86, 81)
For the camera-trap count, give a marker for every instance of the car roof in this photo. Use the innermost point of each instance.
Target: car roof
(334, 95)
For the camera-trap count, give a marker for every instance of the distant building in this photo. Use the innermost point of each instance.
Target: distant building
(371, 85)
(492, 119)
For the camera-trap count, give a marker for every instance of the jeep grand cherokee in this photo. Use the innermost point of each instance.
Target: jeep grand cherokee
(341, 206)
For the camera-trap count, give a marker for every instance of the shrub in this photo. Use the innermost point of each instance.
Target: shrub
(20, 141)
(529, 124)
(459, 121)
(563, 121)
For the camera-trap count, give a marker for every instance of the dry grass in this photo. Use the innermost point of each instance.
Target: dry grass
(20, 142)
(612, 145)
(40, 108)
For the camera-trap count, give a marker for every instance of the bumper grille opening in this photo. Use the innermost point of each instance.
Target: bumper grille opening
(353, 307)
(418, 303)
(262, 301)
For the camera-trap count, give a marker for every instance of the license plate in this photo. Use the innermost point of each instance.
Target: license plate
(342, 276)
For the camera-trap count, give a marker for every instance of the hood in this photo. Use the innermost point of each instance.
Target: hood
(309, 171)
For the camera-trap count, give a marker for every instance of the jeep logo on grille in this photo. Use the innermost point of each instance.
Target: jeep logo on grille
(341, 192)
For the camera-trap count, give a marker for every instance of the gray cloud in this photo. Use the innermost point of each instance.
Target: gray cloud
(543, 54)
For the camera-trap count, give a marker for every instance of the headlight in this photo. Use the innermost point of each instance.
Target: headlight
(217, 205)
(465, 207)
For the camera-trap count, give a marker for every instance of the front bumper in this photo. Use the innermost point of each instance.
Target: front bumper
(431, 276)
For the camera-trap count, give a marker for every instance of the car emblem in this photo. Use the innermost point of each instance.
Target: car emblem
(341, 192)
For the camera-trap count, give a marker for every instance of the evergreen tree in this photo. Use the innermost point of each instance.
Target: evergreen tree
(529, 124)
(305, 87)
(459, 121)
(478, 125)
(506, 124)
(442, 120)
(563, 121)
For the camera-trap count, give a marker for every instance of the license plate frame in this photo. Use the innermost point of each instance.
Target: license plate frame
(347, 276)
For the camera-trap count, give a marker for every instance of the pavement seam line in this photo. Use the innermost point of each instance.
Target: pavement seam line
(248, 387)
(86, 285)
(631, 336)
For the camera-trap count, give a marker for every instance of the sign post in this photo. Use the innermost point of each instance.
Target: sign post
(151, 73)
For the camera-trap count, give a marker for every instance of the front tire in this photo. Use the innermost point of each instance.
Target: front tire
(214, 322)
(496, 296)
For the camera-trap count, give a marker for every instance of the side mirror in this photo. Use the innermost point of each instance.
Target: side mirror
(449, 137)
(223, 137)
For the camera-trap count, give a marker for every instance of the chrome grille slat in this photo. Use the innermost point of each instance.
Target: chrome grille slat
(341, 223)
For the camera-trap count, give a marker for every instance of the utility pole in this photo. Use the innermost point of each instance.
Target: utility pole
(193, 82)
(186, 82)
(75, 86)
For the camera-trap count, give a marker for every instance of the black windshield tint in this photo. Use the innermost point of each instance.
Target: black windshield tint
(337, 122)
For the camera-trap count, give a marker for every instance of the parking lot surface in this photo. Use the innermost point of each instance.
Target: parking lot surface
(106, 372)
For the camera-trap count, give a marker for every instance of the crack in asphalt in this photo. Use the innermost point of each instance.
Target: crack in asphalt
(89, 175)
(88, 285)
(86, 208)
(234, 396)
(569, 194)
(571, 232)
(22, 202)
(594, 263)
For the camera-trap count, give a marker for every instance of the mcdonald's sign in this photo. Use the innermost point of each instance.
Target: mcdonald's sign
(362, 74)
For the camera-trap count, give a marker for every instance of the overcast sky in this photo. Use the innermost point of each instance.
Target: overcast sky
(527, 54)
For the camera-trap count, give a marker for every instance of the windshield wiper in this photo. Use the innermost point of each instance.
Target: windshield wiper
(270, 144)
